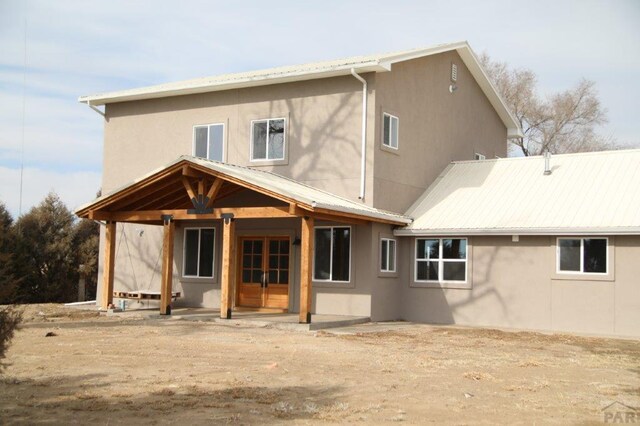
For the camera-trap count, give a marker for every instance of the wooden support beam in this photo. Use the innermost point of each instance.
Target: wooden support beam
(338, 219)
(296, 210)
(183, 214)
(200, 187)
(228, 267)
(168, 198)
(190, 172)
(108, 267)
(190, 191)
(213, 192)
(306, 291)
(167, 266)
(355, 216)
(133, 200)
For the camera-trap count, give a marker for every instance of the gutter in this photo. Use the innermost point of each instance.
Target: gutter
(630, 230)
(363, 148)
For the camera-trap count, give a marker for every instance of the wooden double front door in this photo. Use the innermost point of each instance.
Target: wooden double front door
(263, 276)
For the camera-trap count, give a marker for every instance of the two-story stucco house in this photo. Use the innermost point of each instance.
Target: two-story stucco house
(366, 186)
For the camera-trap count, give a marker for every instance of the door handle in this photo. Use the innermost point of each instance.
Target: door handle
(265, 280)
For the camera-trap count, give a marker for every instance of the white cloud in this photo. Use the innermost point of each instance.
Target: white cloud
(74, 189)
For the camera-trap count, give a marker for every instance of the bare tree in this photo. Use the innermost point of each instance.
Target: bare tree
(563, 122)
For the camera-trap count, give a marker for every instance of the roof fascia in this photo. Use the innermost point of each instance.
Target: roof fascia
(190, 88)
(516, 231)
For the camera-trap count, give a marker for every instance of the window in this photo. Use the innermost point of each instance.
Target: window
(387, 255)
(267, 139)
(441, 259)
(332, 257)
(198, 252)
(208, 141)
(582, 255)
(479, 156)
(390, 138)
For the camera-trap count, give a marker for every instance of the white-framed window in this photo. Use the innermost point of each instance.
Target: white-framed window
(268, 139)
(332, 253)
(208, 141)
(387, 255)
(441, 260)
(582, 255)
(479, 156)
(198, 255)
(390, 130)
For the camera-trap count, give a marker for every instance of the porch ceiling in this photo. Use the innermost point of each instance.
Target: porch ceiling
(189, 188)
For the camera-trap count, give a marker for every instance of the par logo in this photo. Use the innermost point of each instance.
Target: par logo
(617, 412)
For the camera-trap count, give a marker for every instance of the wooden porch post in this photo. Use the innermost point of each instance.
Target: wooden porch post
(109, 261)
(167, 265)
(306, 244)
(228, 265)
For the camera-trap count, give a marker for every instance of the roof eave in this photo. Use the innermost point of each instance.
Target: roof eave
(162, 91)
(517, 231)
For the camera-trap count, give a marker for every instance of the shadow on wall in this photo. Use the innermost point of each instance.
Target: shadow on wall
(138, 257)
(319, 151)
(489, 300)
(482, 287)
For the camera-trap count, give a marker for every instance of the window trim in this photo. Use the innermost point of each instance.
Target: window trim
(313, 264)
(184, 252)
(581, 272)
(224, 140)
(395, 255)
(284, 141)
(441, 262)
(391, 116)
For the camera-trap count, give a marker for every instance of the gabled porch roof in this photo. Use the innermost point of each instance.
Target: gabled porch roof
(188, 187)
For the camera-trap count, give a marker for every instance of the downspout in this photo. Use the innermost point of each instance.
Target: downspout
(363, 154)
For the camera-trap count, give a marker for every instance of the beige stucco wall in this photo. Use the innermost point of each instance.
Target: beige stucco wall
(322, 149)
(435, 127)
(514, 285)
(133, 272)
(322, 132)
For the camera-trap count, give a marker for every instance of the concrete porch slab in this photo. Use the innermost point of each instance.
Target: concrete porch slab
(282, 321)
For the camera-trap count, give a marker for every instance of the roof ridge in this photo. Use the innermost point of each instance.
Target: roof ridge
(284, 69)
(566, 154)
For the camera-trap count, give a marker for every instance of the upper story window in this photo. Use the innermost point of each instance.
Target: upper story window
(332, 257)
(479, 156)
(582, 255)
(441, 259)
(267, 139)
(198, 252)
(208, 141)
(390, 137)
(387, 255)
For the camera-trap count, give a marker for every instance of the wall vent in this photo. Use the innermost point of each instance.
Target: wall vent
(454, 72)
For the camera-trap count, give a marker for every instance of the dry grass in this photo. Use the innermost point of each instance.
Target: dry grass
(107, 370)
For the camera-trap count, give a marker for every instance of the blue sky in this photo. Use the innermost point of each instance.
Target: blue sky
(84, 47)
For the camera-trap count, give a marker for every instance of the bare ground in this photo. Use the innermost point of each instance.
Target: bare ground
(107, 370)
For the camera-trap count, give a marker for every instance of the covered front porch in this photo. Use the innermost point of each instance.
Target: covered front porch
(195, 191)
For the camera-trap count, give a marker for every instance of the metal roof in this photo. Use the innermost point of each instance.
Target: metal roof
(286, 187)
(362, 64)
(587, 193)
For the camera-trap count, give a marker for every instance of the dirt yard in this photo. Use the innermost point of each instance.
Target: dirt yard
(106, 370)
